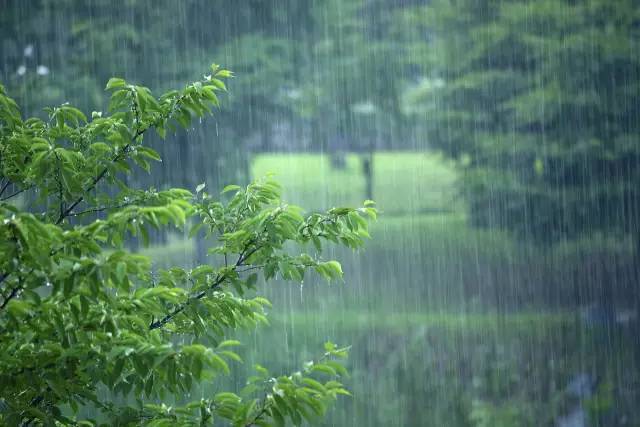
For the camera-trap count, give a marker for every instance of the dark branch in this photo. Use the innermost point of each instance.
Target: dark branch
(220, 278)
(253, 267)
(15, 194)
(117, 157)
(4, 187)
(100, 209)
(97, 179)
(5, 276)
(263, 411)
(12, 295)
(166, 319)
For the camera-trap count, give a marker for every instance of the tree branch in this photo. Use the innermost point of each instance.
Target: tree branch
(166, 319)
(100, 209)
(15, 194)
(68, 211)
(220, 278)
(253, 267)
(242, 257)
(265, 408)
(97, 179)
(12, 295)
(5, 276)
(139, 132)
(4, 187)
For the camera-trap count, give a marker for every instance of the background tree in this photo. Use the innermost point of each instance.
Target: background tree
(539, 101)
(550, 141)
(82, 321)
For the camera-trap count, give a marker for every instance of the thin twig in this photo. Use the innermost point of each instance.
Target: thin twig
(16, 290)
(15, 194)
(259, 415)
(117, 157)
(96, 180)
(12, 295)
(253, 267)
(166, 319)
(4, 276)
(244, 255)
(4, 187)
(100, 209)
(220, 278)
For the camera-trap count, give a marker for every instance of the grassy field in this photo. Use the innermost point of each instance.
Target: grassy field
(403, 182)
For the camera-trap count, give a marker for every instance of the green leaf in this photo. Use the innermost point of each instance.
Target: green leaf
(224, 73)
(115, 82)
(229, 343)
(325, 369)
(252, 279)
(150, 153)
(231, 187)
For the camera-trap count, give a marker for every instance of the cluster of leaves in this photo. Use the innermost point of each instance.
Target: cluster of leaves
(81, 318)
(296, 397)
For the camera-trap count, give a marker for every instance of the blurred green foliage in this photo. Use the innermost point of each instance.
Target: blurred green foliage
(308, 61)
(539, 101)
(404, 182)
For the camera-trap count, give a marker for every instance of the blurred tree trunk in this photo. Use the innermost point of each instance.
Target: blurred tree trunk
(636, 274)
(200, 250)
(367, 171)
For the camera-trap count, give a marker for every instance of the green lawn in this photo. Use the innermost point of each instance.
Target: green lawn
(404, 182)
(353, 321)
